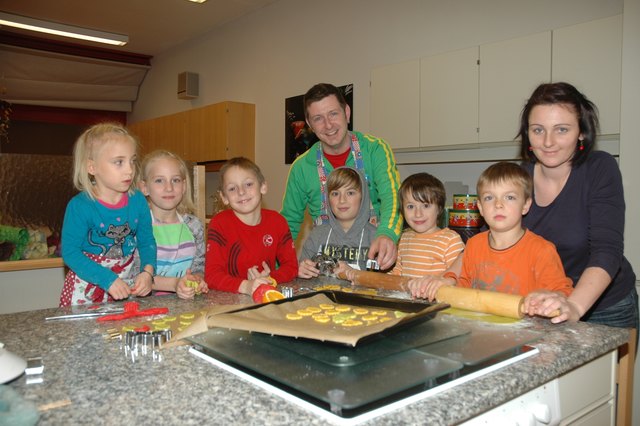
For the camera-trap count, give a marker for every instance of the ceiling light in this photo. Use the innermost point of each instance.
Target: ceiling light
(63, 30)
(197, 1)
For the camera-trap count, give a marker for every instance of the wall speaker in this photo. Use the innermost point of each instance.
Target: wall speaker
(187, 85)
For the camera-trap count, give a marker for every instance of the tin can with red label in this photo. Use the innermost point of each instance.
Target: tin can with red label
(465, 202)
(466, 218)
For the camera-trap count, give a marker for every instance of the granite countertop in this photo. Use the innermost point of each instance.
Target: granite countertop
(88, 379)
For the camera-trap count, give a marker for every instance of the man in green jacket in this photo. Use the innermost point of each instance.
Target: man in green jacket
(328, 114)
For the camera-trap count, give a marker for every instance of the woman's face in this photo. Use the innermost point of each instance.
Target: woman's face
(554, 133)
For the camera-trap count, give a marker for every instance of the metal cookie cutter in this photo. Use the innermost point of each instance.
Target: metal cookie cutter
(326, 264)
(142, 343)
(372, 265)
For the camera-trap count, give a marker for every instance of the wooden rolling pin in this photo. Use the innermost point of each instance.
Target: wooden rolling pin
(471, 299)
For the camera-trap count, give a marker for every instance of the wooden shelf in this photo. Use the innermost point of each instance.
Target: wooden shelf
(24, 265)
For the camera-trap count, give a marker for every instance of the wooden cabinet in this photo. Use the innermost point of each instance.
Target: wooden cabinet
(476, 95)
(215, 132)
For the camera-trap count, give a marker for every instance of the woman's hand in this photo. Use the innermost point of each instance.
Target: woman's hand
(548, 304)
(307, 269)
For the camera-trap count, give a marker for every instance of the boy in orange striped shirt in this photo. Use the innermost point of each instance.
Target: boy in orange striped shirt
(424, 249)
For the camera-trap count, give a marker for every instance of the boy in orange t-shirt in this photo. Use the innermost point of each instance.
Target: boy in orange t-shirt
(508, 258)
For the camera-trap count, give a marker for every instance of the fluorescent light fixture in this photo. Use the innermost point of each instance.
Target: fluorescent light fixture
(63, 30)
(197, 1)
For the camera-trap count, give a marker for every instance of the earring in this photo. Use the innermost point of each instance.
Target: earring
(580, 145)
(530, 148)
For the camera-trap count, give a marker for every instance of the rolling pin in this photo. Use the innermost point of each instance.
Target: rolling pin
(471, 299)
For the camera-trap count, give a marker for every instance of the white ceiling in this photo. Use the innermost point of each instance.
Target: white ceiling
(36, 77)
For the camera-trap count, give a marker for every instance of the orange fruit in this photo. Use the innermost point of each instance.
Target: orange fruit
(272, 295)
(265, 293)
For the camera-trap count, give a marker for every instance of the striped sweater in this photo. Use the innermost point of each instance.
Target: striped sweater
(427, 254)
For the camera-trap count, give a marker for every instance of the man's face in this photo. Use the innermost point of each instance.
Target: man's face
(329, 122)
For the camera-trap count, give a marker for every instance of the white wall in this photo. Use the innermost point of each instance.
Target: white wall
(282, 50)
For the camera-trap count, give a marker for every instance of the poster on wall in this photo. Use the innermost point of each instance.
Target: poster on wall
(298, 136)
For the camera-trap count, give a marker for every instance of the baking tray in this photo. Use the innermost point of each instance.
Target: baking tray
(269, 318)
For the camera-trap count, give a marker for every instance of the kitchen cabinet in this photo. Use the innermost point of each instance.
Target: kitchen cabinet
(476, 95)
(589, 56)
(395, 104)
(466, 96)
(509, 72)
(584, 396)
(449, 98)
(211, 133)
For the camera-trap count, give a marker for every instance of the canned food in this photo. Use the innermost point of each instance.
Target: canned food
(465, 218)
(465, 202)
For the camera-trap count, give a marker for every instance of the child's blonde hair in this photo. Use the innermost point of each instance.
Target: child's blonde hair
(425, 188)
(186, 205)
(344, 176)
(242, 163)
(505, 171)
(86, 148)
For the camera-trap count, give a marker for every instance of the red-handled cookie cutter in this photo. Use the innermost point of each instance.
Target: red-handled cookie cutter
(131, 311)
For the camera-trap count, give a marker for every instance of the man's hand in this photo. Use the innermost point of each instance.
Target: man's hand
(384, 251)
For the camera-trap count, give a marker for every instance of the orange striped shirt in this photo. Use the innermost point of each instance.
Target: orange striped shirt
(426, 254)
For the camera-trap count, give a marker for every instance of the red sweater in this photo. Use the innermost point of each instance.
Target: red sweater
(233, 247)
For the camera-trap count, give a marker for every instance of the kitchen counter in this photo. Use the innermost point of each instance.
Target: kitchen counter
(88, 379)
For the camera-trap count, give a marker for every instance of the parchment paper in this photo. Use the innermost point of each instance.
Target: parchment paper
(271, 319)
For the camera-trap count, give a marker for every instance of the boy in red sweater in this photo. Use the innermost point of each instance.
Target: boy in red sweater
(246, 242)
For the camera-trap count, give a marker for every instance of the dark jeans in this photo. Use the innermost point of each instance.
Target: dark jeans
(622, 314)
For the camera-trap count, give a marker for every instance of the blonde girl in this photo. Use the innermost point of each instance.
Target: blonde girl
(179, 234)
(106, 222)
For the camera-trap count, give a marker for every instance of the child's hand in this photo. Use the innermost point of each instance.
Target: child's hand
(143, 284)
(119, 290)
(427, 287)
(254, 273)
(548, 303)
(307, 269)
(348, 271)
(186, 291)
(202, 286)
(183, 291)
(249, 286)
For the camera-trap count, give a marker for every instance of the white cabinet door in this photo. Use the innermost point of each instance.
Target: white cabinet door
(449, 98)
(395, 104)
(509, 72)
(589, 56)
